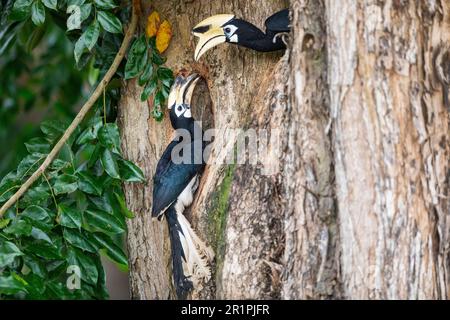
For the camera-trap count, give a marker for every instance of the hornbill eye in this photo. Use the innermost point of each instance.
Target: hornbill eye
(180, 108)
(227, 30)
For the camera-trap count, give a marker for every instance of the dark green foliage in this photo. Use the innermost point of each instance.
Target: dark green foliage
(78, 215)
(76, 211)
(145, 62)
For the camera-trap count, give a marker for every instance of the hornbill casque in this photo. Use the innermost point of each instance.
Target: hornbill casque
(227, 28)
(174, 185)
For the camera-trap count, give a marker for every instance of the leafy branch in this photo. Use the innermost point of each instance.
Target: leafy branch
(79, 118)
(145, 62)
(69, 203)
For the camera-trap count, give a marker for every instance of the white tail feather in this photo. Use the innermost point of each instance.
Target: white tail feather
(197, 253)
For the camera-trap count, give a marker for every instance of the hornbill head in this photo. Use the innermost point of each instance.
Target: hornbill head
(214, 31)
(179, 101)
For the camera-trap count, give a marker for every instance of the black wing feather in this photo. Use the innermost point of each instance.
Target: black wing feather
(279, 22)
(171, 179)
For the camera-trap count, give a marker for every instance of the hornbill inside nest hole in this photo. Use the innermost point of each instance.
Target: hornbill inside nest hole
(174, 184)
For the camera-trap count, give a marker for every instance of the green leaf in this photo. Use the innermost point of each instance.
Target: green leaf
(69, 217)
(102, 203)
(146, 74)
(38, 234)
(89, 134)
(109, 137)
(95, 156)
(12, 284)
(83, 155)
(157, 114)
(38, 13)
(29, 164)
(109, 163)
(38, 145)
(43, 250)
(159, 99)
(53, 129)
(105, 4)
(65, 183)
(79, 49)
(88, 183)
(36, 214)
(35, 38)
(137, 58)
(87, 40)
(167, 84)
(93, 73)
(102, 292)
(104, 222)
(91, 35)
(8, 252)
(114, 252)
(21, 10)
(85, 11)
(66, 153)
(149, 90)
(35, 265)
(111, 205)
(36, 287)
(19, 228)
(74, 20)
(4, 222)
(130, 172)
(165, 92)
(51, 4)
(7, 189)
(87, 265)
(124, 210)
(109, 22)
(165, 73)
(37, 195)
(77, 239)
(157, 59)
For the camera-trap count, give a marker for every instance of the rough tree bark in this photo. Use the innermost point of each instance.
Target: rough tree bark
(387, 64)
(357, 203)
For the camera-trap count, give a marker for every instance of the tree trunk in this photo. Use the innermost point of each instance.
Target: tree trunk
(391, 143)
(353, 199)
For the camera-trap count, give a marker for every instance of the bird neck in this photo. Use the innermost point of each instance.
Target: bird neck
(252, 37)
(265, 44)
(248, 32)
(189, 125)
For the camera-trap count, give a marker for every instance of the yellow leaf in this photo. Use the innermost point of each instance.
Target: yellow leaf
(163, 36)
(152, 24)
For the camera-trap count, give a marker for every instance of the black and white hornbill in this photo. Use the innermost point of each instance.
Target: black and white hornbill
(174, 185)
(227, 28)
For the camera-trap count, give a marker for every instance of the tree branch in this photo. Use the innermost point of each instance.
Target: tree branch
(80, 116)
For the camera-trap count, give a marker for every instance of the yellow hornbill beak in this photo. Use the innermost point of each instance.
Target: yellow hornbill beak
(182, 90)
(210, 33)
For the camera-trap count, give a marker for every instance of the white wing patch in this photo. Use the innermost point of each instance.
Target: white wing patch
(197, 253)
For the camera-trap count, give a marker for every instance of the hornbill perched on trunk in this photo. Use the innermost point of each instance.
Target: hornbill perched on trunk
(174, 184)
(227, 28)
